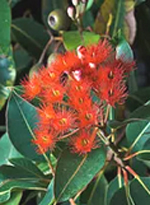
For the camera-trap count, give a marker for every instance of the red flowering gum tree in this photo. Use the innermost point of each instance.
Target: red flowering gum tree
(76, 92)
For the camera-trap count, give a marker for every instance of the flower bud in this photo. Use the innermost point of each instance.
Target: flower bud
(81, 51)
(84, 1)
(75, 2)
(77, 74)
(71, 12)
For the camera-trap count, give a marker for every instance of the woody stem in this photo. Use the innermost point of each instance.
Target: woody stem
(68, 135)
(113, 147)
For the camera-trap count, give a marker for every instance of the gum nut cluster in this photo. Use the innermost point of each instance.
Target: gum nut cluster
(74, 92)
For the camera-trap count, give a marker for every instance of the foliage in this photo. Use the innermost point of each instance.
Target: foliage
(99, 160)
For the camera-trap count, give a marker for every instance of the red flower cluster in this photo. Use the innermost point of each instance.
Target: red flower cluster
(66, 90)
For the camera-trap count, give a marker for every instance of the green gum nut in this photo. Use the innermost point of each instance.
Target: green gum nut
(51, 58)
(34, 69)
(58, 20)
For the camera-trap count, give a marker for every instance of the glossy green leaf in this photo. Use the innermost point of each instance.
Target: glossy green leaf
(5, 21)
(118, 124)
(27, 166)
(22, 59)
(145, 155)
(89, 4)
(139, 166)
(138, 193)
(88, 19)
(74, 172)
(21, 121)
(7, 69)
(12, 177)
(12, 3)
(139, 1)
(124, 52)
(49, 196)
(120, 197)
(4, 94)
(7, 74)
(112, 189)
(73, 39)
(138, 98)
(14, 199)
(7, 150)
(115, 9)
(138, 132)
(31, 35)
(95, 192)
(141, 112)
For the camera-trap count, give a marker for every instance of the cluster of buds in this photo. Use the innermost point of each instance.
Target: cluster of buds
(77, 9)
(74, 91)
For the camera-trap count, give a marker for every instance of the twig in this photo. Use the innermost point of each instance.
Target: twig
(68, 135)
(45, 50)
(72, 202)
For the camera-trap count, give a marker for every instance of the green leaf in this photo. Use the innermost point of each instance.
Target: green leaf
(12, 3)
(7, 69)
(11, 184)
(21, 121)
(12, 177)
(95, 192)
(49, 196)
(138, 132)
(4, 94)
(119, 196)
(118, 124)
(74, 172)
(138, 194)
(14, 199)
(114, 8)
(22, 59)
(139, 2)
(31, 35)
(27, 166)
(124, 51)
(7, 74)
(138, 98)
(5, 21)
(88, 19)
(89, 4)
(73, 39)
(7, 150)
(141, 112)
(113, 188)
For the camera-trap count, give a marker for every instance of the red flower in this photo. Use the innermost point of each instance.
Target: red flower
(46, 113)
(48, 77)
(67, 88)
(87, 117)
(45, 140)
(65, 120)
(84, 142)
(53, 94)
(110, 84)
(32, 87)
(95, 54)
(65, 63)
